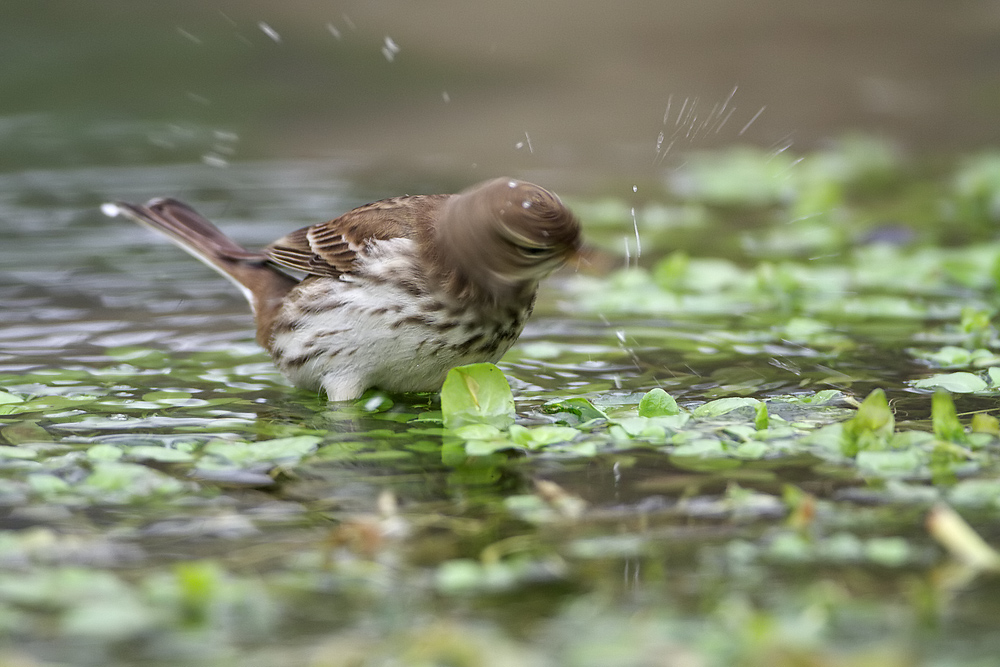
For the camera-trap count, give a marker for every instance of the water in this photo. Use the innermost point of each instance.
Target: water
(144, 516)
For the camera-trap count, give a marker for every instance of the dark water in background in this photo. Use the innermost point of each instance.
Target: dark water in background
(415, 92)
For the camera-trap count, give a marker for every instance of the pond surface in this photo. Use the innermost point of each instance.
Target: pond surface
(794, 210)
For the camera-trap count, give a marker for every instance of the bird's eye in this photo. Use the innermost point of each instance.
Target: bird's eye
(534, 251)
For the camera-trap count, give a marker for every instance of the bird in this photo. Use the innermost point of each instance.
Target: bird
(395, 293)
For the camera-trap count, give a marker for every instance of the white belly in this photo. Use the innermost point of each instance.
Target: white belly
(359, 332)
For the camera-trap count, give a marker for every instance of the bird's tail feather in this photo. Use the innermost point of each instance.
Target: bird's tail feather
(261, 283)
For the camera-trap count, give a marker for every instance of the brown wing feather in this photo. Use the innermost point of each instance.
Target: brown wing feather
(332, 248)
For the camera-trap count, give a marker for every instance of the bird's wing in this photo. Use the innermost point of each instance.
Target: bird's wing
(332, 248)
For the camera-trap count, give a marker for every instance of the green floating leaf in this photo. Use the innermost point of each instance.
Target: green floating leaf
(652, 427)
(172, 398)
(871, 427)
(578, 406)
(119, 618)
(951, 356)
(6, 397)
(265, 451)
(658, 403)
(671, 272)
(945, 419)
(724, 405)
(742, 176)
(105, 453)
(24, 432)
(984, 423)
(540, 436)
(476, 394)
(487, 447)
(163, 454)
(478, 432)
(48, 486)
(198, 582)
(977, 327)
(761, 419)
(819, 398)
(752, 449)
(701, 447)
(978, 493)
(18, 453)
(890, 463)
(957, 383)
(888, 551)
(52, 403)
(114, 481)
(639, 427)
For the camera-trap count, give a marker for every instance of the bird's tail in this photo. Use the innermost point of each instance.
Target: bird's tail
(263, 285)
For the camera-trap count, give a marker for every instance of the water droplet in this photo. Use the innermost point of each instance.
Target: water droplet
(200, 99)
(638, 243)
(270, 32)
(751, 121)
(184, 33)
(390, 49)
(213, 160)
(110, 210)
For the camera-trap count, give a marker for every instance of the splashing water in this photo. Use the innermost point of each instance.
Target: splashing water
(270, 32)
(188, 36)
(527, 142)
(638, 243)
(751, 121)
(690, 123)
(390, 49)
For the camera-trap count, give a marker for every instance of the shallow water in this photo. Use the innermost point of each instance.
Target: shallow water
(167, 498)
